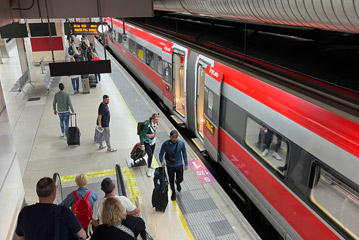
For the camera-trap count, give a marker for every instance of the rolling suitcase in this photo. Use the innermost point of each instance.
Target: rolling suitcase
(85, 84)
(160, 192)
(92, 80)
(73, 134)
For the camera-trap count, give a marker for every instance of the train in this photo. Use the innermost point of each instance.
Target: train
(295, 159)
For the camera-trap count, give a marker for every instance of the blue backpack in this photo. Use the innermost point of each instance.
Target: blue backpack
(71, 52)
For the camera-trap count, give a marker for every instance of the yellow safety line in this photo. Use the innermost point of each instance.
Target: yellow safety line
(131, 181)
(178, 211)
(94, 174)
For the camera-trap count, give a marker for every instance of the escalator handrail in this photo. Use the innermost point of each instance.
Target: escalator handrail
(120, 182)
(57, 178)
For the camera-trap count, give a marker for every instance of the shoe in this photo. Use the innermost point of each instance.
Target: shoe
(179, 188)
(101, 147)
(62, 134)
(153, 167)
(65, 137)
(149, 173)
(265, 152)
(111, 149)
(276, 155)
(173, 196)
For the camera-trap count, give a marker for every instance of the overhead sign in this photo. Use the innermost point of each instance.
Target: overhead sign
(81, 28)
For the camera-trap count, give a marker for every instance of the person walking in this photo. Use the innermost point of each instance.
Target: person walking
(75, 79)
(103, 123)
(94, 57)
(174, 151)
(148, 139)
(62, 105)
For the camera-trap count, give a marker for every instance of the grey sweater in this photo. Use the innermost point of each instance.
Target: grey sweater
(63, 102)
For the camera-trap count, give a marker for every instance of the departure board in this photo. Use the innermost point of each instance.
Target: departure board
(81, 28)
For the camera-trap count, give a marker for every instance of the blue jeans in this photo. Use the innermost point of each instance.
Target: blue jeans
(149, 150)
(75, 84)
(98, 77)
(64, 122)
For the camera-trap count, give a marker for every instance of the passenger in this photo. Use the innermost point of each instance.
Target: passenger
(84, 48)
(75, 79)
(116, 225)
(148, 139)
(94, 57)
(63, 102)
(109, 189)
(172, 149)
(81, 181)
(40, 220)
(268, 142)
(103, 122)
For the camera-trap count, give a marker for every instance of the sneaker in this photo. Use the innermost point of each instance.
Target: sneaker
(276, 155)
(62, 134)
(149, 172)
(101, 147)
(111, 149)
(173, 196)
(152, 167)
(65, 137)
(265, 152)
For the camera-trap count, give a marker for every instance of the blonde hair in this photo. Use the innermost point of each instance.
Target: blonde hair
(154, 115)
(81, 180)
(112, 212)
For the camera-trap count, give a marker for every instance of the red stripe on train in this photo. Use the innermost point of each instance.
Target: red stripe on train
(304, 222)
(43, 44)
(334, 128)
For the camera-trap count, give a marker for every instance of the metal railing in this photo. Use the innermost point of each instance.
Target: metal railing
(120, 182)
(59, 196)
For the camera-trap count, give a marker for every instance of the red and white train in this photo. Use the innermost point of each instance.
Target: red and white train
(296, 161)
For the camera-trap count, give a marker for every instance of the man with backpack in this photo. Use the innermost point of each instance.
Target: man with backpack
(174, 150)
(45, 220)
(81, 201)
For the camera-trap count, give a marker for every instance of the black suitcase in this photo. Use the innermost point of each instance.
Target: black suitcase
(73, 134)
(92, 80)
(160, 192)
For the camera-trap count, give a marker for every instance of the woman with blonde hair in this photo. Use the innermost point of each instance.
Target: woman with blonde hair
(114, 219)
(148, 139)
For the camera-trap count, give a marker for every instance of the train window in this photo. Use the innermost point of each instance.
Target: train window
(337, 200)
(267, 144)
(149, 59)
(167, 72)
(132, 46)
(158, 63)
(119, 38)
(139, 50)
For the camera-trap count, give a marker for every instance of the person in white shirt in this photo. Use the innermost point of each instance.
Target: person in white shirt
(109, 189)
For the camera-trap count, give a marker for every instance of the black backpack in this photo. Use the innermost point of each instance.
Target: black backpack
(84, 45)
(140, 126)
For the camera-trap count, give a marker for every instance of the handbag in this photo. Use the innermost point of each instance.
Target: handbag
(169, 159)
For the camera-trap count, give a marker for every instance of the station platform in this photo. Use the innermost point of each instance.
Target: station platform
(202, 209)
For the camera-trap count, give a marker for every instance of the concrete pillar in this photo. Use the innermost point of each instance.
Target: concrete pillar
(22, 54)
(3, 48)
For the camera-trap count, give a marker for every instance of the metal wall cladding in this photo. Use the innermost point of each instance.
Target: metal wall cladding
(333, 15)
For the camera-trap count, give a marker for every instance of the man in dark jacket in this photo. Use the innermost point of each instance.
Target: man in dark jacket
(174, 151)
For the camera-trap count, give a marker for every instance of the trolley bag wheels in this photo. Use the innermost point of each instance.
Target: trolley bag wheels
(160, 192)
(73, 134)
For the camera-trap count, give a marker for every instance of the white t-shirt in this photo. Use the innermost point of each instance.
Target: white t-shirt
(98, 205)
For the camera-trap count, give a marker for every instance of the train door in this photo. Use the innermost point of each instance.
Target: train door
(178, 82)
(201, 72)
(212, 98)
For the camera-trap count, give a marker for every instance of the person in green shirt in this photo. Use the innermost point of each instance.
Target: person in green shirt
(62, 105)
(148, 139)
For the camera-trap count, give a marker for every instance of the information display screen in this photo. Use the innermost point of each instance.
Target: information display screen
(81, 28)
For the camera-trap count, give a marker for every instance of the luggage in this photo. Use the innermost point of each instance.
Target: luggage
(136, 152)
(92, 80)
(85, 84)
(73, 134)
(160, 191)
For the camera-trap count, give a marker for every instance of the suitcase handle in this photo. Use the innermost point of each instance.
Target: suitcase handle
(75, 120)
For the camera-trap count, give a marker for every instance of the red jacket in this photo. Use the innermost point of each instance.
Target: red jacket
(96, 59)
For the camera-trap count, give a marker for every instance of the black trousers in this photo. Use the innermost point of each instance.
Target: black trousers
(149, 150)
(172, 171)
